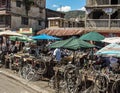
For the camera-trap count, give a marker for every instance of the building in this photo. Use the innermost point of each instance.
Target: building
(103, 16)
(58, 26)
(58, 22)
(51, 13)
(15, 14)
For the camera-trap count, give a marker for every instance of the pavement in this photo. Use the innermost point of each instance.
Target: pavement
(38, 86)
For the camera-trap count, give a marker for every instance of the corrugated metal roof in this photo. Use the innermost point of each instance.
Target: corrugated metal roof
(62, 31)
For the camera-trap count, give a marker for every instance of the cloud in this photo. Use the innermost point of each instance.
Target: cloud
(82, 9)
(64, 8)
(54, 5)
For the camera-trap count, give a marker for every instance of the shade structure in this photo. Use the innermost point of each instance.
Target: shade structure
(9, 33)
(111, 49)
(71, 43)
(21, 38)
(111, 40)
(92, 36)
(44, 37)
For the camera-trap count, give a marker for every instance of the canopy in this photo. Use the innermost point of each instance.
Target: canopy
(111, 40)
(9, 33)
(111, 49)
(21, 38)
(93, 36)
(71, 43)
(61, 31)
(44, 36)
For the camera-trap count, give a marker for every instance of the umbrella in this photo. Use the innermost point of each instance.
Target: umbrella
(111, 49)
(111, 40)
(9, 33)
(92, 36)
(44, 37)
(21, 38)
(71, 43)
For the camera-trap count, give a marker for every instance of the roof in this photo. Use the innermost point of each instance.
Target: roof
(62, 31)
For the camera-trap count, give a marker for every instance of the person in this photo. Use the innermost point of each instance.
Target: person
(57, 54)
(113, 62)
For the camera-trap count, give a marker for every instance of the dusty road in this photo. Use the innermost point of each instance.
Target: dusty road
(8, 85)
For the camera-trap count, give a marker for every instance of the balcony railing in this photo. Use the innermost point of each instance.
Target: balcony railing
(113, 23)
(97, 23)
(99, 2)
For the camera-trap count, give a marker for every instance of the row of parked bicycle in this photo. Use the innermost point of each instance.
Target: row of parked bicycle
(64, 77)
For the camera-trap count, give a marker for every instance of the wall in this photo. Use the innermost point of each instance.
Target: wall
(34, 15)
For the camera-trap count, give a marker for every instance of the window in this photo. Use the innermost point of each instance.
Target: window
(24, 21)
(39, 22)
(18, 3)
(2, 19)
(3, 2)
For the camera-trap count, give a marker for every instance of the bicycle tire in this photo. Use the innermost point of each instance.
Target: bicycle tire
(104, 79)
(51, 82)
(43, 68)
(116, 86)
(30, 75)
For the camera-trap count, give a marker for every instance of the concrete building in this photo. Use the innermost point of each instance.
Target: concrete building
(15, 14)
(58, 22)
(103, 16)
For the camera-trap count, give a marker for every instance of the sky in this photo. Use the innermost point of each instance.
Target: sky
(65, 5)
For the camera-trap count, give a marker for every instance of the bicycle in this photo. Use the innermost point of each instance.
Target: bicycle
(116, 85)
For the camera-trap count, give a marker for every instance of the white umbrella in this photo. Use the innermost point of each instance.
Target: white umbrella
(111, 40)
(9, 33)
(111, 49)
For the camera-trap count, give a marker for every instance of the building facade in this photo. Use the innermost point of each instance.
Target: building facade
(58, 22)
(15, 14)
(103, 15)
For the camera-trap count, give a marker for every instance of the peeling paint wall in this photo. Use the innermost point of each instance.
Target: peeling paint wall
(34, 15)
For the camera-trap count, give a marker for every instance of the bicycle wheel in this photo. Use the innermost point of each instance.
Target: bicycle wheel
(116, 87)
(23, 72)
(30, 75)
(42, 68)
(102, 82)
(73, 79)
(51, 83)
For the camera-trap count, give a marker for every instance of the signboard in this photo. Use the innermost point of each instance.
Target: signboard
(25, 30)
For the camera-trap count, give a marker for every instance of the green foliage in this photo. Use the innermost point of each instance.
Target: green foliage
(75, 14)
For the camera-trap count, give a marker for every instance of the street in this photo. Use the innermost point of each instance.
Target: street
(8, 85)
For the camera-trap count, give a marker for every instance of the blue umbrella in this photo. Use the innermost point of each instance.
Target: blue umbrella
(44, 37)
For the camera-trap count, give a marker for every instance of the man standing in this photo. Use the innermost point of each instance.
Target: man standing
(57, 54)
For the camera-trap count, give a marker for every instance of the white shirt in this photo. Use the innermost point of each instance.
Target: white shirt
(57, 54)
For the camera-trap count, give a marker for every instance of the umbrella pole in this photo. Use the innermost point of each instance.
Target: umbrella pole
(73, 60)
(92, 55)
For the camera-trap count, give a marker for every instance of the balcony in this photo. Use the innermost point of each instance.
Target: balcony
(99, 3)
(103, 23)
(115, 23)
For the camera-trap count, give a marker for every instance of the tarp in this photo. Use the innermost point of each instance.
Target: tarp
(111, 40)
(111, 49)
(71, 43)
(9, 33)
(92, 36)
(21, 38)
(44, 36)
